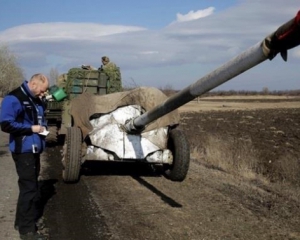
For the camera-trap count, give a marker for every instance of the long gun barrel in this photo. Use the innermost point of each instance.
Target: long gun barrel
(285, 37)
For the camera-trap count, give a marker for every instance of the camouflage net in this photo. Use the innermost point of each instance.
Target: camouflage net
(109, 73)
(79, 77)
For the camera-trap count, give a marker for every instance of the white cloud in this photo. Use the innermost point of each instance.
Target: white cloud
(193, 15)
(176, 55)
(63, 31)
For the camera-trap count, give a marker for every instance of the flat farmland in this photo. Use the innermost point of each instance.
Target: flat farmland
(265, 127)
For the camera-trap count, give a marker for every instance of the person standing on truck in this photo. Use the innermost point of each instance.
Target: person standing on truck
(107, 64)
(22, 116)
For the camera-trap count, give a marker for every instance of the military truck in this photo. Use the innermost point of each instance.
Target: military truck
(68, 86)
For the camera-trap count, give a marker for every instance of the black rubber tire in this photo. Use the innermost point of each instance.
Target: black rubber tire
(180, 148)
(72, 155)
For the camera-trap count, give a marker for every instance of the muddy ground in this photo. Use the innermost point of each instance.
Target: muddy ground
(129, 201)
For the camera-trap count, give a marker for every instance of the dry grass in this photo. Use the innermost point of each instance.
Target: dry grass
(238, 157)
(235, 156)
(289, 169)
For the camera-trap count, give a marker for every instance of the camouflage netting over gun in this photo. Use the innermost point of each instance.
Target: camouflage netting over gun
(87, 106)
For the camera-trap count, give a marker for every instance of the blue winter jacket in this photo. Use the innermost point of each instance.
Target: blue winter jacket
(19, 111)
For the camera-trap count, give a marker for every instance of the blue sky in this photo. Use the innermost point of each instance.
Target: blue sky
(154, 14)
(155, 43)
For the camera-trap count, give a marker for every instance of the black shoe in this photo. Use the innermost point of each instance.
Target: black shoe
(40, 224)
(33, 236)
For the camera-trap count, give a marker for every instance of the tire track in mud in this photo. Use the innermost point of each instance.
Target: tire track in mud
(131, 201)
(71, 213)
(209, 204)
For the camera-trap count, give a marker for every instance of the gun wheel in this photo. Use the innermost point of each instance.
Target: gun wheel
(72, 155)
(179, 146)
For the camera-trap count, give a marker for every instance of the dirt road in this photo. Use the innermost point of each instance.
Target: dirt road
(8, 191)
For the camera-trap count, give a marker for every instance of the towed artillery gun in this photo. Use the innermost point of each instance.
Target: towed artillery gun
(141, 125)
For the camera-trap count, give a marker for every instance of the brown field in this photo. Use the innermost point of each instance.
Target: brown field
(261, 132)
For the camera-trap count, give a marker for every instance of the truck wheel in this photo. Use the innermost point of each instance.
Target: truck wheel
(180, 148)
(72, 155)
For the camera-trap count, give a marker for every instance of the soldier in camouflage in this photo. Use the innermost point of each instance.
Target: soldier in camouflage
(106, 64)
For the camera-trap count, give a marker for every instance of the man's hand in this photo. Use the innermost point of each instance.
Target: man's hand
(37, 128)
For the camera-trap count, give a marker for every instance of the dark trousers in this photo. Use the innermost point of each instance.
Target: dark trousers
(28, 169)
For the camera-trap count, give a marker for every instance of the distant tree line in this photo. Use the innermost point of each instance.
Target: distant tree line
(168, 90)
(11, 75)
(264, 91)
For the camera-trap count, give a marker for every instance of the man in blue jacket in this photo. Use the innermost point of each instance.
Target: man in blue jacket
(22, 116)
